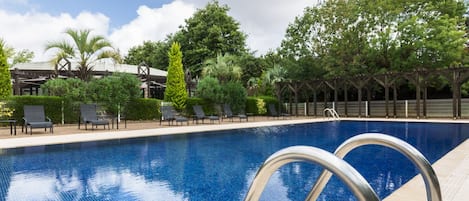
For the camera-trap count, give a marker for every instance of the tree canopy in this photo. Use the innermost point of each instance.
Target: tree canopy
(154, 54)
(209, 32)
(366, 36)
(223, 67)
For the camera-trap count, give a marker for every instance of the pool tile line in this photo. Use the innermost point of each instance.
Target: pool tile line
(111, 135)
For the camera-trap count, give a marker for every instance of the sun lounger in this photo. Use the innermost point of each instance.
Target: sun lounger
(88, 115)
(273, 112)
(200, 115)
(34, 117)
(229, 113)
(168, 114)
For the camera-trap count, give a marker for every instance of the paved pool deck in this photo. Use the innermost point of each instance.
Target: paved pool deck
(452, 169)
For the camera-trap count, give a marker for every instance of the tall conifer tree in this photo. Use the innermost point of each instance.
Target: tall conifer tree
(5, 77)
(175, 85)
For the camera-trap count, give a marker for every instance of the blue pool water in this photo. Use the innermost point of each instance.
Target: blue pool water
(215, 165)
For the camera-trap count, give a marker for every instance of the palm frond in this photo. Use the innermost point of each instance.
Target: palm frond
(62, 46)
(110, 54)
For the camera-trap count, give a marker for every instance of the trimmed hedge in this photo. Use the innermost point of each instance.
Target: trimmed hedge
(143, 109)
(269, 100)
(140, 109)
(251, 103)
(208, 107)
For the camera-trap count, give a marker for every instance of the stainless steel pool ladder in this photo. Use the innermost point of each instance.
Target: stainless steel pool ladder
(332, 112)
(335, 164)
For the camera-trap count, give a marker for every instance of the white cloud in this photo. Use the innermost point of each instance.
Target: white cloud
(265, 22)
(33, 31)
(152, 24)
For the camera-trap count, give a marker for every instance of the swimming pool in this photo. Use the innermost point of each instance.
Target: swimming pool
(213, 165)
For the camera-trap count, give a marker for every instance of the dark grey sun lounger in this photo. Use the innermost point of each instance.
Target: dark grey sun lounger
(34, 117)
(229, 113)
(273, 112)
(88, 115)
(168, 114)
(200, 115)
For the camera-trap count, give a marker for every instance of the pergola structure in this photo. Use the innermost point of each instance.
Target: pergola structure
(389, 81)
(27, 77)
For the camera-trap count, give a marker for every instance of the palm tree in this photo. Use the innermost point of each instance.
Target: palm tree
(85, 50)
(253, 86)
(274, 76)
(222, 67)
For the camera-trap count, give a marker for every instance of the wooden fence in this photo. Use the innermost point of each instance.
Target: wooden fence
(436, 108)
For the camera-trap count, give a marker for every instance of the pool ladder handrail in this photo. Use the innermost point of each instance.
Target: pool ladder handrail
(357, 184)
(332, 112)
(432, 185)
(334, 163)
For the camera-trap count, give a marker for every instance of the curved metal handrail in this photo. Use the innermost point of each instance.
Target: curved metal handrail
(431, 181)
(358, 185)
(333, 113)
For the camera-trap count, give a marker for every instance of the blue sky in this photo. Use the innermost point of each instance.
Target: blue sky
(119, 11)
(30, 24)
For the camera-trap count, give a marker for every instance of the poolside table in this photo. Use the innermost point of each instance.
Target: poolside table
(12, 123)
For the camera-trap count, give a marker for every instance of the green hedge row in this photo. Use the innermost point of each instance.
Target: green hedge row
(208, 107)
(143, 109)
(211, 108)
(140, 109)
(252, 104)
(55, 107)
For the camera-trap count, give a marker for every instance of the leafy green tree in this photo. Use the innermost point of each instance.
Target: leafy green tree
(366, 36)
(14, 57)
(210, 31)
(114, 92)
(85, 49)
(23, 56)
(252, 67)
(273, 76)
(72, 89)
(154, 54)
(209, 88)
(5, 77)
(175, 85)
(234, 94)
(223, 68)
